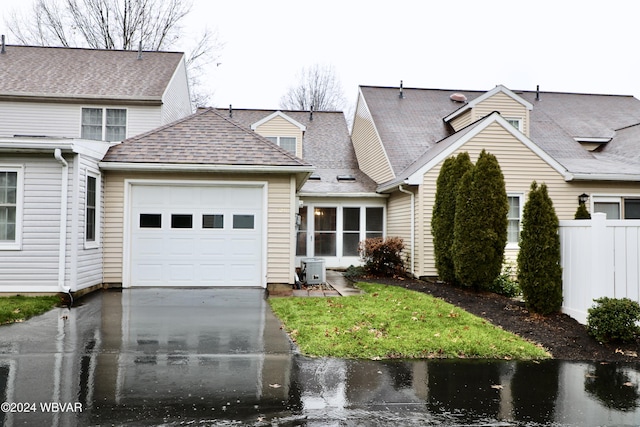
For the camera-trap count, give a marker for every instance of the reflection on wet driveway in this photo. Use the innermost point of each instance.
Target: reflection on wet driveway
(218, 356)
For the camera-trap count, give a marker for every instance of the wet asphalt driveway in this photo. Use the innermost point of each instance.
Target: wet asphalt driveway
(218, 357)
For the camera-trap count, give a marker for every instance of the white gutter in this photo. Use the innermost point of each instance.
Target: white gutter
(182, 167)
(606, 177)
(413, 225)
(64, 196)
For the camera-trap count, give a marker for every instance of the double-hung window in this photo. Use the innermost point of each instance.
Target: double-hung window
(104, 124)
(92, 211)
(10, 207)
(513, 217)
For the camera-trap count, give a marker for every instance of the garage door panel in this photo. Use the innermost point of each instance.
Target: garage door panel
(181, 246)
(150, 246)
(209, 250)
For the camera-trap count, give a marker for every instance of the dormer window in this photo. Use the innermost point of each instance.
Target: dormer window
(286, 142)
(104, 124)
(515, 122)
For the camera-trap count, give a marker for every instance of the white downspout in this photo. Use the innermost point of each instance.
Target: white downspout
(64, 196)
(413, 225)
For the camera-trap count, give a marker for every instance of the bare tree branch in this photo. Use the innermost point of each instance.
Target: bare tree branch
(318, 87)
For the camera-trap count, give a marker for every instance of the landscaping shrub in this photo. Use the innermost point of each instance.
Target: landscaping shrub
(614, 320)
(506, 284)
(382, 257)
(480, 224)
(539, 268)
(444, 211)
(582, 212)
(352, 272)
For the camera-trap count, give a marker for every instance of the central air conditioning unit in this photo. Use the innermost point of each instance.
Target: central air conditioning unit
(313, 271)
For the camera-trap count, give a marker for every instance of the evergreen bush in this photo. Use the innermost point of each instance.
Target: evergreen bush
(506, 283)
(614, 320)
(539, 268)
(480, 225)
(582, 212)
(444, 210)
(382, 257)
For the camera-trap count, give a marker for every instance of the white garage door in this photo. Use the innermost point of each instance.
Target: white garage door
(196, 235)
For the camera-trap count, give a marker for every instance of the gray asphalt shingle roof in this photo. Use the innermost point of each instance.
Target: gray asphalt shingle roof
(205, 137)
(411, 126)
(326, 145)
(29, 71)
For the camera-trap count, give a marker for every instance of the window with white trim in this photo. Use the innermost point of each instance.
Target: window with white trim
(90, 211)
(10, 207)
(618, 207)
(104, 124)
(286, 142)
(515, 122)
(514, 217)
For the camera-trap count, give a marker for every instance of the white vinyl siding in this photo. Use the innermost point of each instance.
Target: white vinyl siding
(176, 102)
(40, 216)
(11, 194)
(64, 120)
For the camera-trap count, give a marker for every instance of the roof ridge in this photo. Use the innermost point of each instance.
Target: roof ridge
(259, 137)
(81, 48)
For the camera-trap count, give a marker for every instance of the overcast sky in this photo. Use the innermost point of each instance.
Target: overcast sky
(562, 45)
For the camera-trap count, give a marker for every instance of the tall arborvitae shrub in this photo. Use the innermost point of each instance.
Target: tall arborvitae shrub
(444, 210)
(480, 225)
(539, 269)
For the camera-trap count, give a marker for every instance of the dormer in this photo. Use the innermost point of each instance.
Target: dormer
(282, 130)
(592, 144)
(512, 107)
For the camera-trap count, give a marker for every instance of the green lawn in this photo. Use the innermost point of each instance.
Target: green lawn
(19, 308)
(392, 322)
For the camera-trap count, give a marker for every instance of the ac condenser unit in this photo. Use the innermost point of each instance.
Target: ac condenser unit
(314, 271)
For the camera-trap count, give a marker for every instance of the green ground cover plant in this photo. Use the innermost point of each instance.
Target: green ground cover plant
(19, 308)
(392, 322)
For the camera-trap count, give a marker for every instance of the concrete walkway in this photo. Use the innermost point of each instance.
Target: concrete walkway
(335, 280)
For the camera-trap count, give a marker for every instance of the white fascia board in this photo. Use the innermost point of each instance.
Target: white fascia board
(416, 177)
(344, 195)
(278, 113)
(189, 167)
(96, 149)
(606, 177)
(589, 139)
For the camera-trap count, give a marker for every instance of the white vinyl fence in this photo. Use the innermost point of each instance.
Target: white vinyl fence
(600, 258)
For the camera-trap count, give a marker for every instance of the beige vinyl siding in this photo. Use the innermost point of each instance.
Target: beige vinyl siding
(507, 106)
(520, 166)
(176, 102)
(279, 126)
(34, 268)
(462, 120)
(372, 158)
(399, 221)
(279, 220)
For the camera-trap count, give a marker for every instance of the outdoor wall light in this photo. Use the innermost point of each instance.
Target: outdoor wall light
(582, 199)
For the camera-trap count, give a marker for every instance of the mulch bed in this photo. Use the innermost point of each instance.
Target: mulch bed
(558, 333)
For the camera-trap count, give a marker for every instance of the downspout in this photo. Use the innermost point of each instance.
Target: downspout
(64, 196)
(413, 225)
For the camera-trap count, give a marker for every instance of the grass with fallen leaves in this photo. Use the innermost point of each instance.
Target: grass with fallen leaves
(19, 308)
(392, 322)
